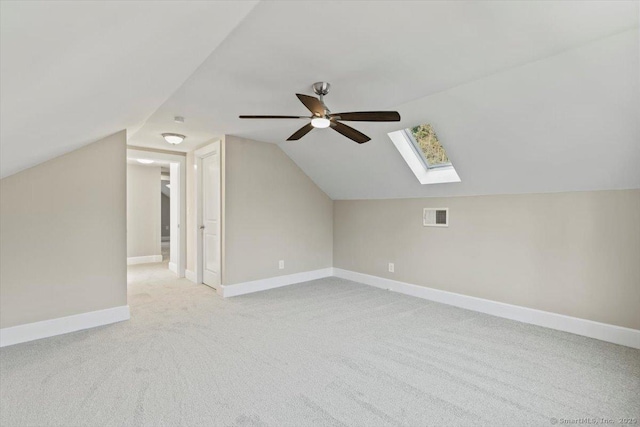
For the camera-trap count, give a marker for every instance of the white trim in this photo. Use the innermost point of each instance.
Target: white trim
(143, 259)
(273, 282)
(425, 175)
(210, 148)
(62, 325)
(173, 267)
(191, 275)
(588, 328)
(181, 160)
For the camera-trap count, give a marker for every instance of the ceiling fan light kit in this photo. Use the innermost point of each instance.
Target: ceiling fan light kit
(323, 118)
(320, 122)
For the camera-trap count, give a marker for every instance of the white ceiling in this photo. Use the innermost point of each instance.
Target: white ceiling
(408, 56)
(73, 72)
(526, 96)
(569, 122)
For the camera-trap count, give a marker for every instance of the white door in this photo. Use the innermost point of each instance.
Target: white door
(211, 219)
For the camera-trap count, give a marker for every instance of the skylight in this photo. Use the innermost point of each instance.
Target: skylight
(424, 138)
(424, 154)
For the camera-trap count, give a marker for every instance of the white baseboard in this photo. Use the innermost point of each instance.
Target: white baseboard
(191, 275)
(143, 259)
(173, 267)
(62, 325)
(272, 282)
(588, 328)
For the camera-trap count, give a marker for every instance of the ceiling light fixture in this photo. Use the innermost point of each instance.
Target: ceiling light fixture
(173, 138)
(320, 122)
(145, 161)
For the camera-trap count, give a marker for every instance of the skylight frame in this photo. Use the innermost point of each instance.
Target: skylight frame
(416, 147)
(412, 155)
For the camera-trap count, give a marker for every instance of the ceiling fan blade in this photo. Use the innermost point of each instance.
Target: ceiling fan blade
(301, 132)
(313, 104)
(350, 132)
(368, 116)
(273, 117)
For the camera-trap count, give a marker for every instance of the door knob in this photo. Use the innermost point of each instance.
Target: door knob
(202, 227)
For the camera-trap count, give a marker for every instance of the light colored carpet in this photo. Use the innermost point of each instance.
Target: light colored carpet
(328, 352)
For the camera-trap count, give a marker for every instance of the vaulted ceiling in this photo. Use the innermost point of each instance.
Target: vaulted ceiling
(72, 72)
(525, 96)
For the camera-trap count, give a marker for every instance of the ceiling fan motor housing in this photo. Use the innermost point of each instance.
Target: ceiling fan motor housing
(321, 88)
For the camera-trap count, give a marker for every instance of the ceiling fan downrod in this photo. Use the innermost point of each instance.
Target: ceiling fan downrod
(321, 89)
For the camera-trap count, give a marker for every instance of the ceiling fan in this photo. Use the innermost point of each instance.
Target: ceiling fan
(323, 118)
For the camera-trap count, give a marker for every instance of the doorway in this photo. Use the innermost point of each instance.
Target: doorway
(172, 182)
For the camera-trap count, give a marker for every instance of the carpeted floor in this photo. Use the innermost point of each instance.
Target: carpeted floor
(328, 352)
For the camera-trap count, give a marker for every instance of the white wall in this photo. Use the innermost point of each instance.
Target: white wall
(63, 247)
(576, 254)
(143, 211)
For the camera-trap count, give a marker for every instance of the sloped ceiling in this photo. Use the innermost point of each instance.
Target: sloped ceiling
(569, 122)
(526, 96)
(73, 72)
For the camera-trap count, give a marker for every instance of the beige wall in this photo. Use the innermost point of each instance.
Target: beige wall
(273, 212)
(63, 245)
(143, 210)
(576, 254)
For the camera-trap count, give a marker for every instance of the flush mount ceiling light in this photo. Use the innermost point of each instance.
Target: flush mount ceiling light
(173, 138)
(145, 161)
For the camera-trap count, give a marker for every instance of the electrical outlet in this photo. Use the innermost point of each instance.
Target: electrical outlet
(281, 264)
(392, 267)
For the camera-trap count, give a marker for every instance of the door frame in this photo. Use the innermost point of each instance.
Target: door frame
(200, 154)
(181, 161)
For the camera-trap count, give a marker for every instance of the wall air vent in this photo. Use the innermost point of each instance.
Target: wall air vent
(435, 217)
